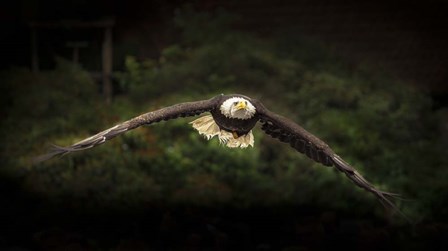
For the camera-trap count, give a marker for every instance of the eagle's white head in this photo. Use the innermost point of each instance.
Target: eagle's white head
(237, 108)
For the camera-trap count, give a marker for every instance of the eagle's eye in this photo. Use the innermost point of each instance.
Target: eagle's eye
(235, 103)
(245, 102)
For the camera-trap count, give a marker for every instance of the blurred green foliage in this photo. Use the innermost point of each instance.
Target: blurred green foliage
(385, 128)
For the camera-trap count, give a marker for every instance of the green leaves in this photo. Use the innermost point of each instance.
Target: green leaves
(384, 127)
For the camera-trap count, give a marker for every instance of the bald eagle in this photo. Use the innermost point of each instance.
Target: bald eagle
(231, 119)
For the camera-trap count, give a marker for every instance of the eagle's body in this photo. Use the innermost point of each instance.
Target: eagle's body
(231, 119)
(239, 126)
(233, 130)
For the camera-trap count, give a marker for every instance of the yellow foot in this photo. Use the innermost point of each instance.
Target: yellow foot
(235, 135)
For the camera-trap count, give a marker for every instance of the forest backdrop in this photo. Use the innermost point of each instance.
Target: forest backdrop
(389, 130)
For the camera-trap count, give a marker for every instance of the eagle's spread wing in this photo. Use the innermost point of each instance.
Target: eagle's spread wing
(167, 113)
(287, 131)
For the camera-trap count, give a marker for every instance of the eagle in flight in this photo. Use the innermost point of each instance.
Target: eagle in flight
(231, 119)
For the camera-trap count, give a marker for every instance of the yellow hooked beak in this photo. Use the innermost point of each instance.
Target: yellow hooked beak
(241, 105)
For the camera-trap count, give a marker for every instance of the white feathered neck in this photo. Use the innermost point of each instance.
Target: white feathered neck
(229, 109)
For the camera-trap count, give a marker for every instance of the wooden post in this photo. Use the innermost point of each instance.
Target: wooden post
(76, 55)
(107, 64)
(34, 53)
(76, 46)
(106, 25)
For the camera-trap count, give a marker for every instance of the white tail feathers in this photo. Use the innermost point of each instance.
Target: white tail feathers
(207, 126)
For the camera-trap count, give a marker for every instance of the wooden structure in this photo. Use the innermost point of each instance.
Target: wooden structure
(107, 45)
(76, 45)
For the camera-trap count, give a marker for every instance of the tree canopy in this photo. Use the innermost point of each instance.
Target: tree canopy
(386, 128)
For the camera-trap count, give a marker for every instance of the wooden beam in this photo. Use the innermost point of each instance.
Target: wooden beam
(74, 24)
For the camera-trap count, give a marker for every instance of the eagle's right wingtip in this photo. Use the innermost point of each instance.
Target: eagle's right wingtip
(55, 151)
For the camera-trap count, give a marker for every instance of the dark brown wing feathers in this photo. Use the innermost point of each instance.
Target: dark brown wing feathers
(289, 132)
(273, 124)
(167, 113)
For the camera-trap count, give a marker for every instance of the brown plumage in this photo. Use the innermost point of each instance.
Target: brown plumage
(273, 124)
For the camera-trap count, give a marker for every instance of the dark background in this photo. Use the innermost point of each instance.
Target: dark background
(400, 41)
(407, 37)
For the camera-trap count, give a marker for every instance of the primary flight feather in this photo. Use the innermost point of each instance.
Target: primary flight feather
(231, 119)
